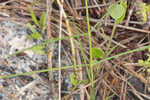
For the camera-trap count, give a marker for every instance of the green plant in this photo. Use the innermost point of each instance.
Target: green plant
(41, 24)
(145, 63)
(75, 82)
(91, 73)
(95, 53)
(68, 67)
(120, 8)
(83, 55)
(46, 42)
(109, 97)
(117, 12)
(144, 9)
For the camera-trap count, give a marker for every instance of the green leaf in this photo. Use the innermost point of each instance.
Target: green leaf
(43, 21)
(148, 49)
(143, 12)
(38, 49)
(116, 11)
(124, 4)
(148, 8)
(31, 27)
(73, 80)
(97, 53)
(35, 34)
(148, 70)
(34, 19)
(85, 81)
(148, 59)
(140, 61)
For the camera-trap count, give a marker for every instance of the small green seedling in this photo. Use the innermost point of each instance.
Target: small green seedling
(144, 9)
(117, 11)
(76, 82)
(146, 63)
(41, 24)
(35, 34)
(73, 80)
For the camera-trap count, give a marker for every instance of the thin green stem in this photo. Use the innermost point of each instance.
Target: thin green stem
(90, 47)
(81, 48)
(111, 37)
(46, 42)
(82, 65)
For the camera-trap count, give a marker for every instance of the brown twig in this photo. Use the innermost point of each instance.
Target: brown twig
(50, 51)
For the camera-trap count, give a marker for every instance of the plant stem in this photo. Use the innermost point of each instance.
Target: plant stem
(111, 37)
(82, 65)
(90, 47)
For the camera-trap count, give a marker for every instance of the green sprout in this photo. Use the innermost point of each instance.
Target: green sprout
(145, 63)
(144, 9)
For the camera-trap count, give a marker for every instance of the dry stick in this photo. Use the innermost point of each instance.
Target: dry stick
(71, 39)
(135, 74)
(123, 91)
(133, 89)
(109, 87)
(97, 5)
(79, 3)
(135, 92)
(130, 28)
(88, 96)
(69, 33)
(81, 77)
(146, 96)
(52, 85)
(97, 89)
(93, 6)
(130, 13)
(59, 51)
